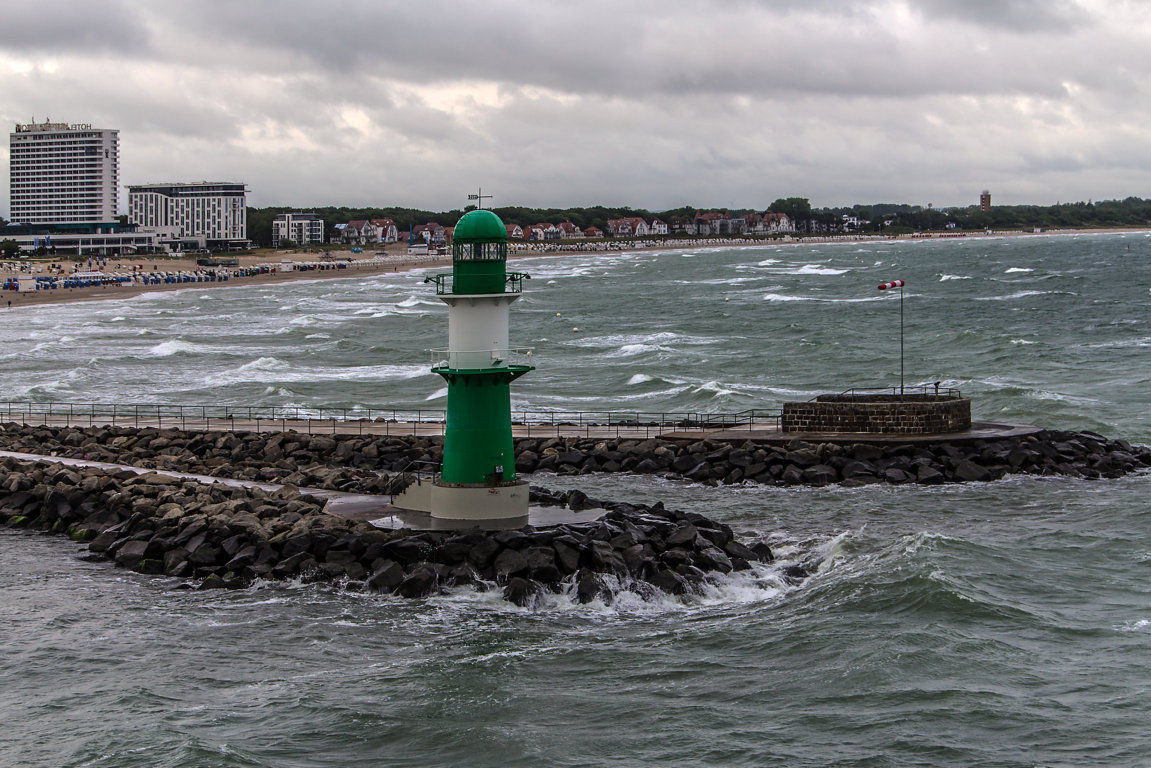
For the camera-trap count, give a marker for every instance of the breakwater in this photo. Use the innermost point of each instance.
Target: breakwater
(381, 464)
(223, 536)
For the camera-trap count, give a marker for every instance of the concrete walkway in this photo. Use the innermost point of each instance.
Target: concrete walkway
(980, 430)
(759, 433)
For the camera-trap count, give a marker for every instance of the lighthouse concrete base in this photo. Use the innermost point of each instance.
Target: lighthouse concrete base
(466, 506)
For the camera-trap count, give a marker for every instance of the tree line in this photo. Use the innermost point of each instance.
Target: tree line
(888, 218)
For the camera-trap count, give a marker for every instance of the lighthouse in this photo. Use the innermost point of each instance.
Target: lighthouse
(477, 485)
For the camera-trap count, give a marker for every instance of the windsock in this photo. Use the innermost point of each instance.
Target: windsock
(892, 284)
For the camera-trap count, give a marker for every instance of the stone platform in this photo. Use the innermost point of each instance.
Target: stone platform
(979, 430)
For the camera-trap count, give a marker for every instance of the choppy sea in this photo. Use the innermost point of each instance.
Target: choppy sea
(996, 624)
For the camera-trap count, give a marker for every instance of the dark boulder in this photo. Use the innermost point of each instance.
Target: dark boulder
(421, 582)
(522, 592)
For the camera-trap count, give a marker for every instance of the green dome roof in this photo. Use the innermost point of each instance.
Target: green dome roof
(480, 226)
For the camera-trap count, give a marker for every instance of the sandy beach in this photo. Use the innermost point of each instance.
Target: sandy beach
(281, 266)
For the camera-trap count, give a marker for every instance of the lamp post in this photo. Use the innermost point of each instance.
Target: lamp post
(883, 287)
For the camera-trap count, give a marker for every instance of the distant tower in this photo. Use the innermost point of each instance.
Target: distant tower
(477, 486)
(985, 201)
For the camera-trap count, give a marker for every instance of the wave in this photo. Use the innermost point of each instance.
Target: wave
(272, 370)
(807, 269)
(944, 278)
(819, 299)
(1020, 295)
(418, 301)
(173, 347)
(658, 339)
(1017, 269)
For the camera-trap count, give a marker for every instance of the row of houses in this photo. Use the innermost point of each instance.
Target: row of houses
(382, 231)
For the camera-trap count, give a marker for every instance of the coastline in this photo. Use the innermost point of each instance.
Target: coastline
(398, 260)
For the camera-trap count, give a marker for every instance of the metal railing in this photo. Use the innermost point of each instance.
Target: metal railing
(481, 358)
(374, 421)
(513, 282)
(927, 389)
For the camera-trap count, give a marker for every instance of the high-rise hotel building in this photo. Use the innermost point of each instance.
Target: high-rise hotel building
(62, 173)
(214, 214)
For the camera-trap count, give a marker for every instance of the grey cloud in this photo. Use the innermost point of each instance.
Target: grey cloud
(645, 103)
(1015, 15)
(61, 27)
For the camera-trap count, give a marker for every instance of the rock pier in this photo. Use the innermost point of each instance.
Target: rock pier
(376, 464)
(222, 536)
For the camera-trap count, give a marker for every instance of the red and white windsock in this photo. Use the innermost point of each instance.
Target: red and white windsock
(892, 284)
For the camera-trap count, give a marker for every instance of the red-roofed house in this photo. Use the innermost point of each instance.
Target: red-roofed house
(593, 232)
(569, 230)
(361, 232)
(388, 232)
(431, 233)
(620, 228)
(515, 230)
(543, 231)
(770, 223)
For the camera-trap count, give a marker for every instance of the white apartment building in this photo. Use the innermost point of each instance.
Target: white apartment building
(63, 173)
(300, 228)
(204, 214)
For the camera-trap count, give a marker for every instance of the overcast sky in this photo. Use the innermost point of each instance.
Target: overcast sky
(648, 103)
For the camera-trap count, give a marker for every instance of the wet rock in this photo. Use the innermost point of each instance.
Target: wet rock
(522, 592)
(509, 563)
(970, 472)
(421, 582)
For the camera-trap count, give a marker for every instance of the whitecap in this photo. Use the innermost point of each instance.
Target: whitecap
(630, 350)
(715, 388)
(944, 278)
(416, 301)
(304, 320)
(639, 378)
(781, 297)
(171, 347)
(1016, 295)
(441, 392)
(807, 269)
(1017, 269)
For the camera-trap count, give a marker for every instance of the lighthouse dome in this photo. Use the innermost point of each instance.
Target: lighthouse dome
(480, 226)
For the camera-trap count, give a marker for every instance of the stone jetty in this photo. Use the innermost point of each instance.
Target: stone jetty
(376, 464)
(222, 536)
(213, 535)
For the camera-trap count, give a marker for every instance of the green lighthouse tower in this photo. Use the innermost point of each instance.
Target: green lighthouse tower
(477, 483)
